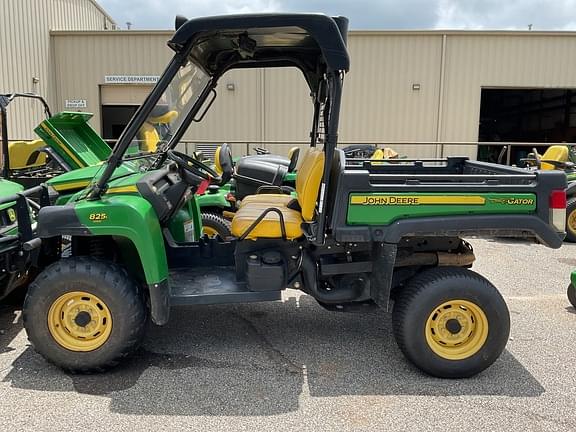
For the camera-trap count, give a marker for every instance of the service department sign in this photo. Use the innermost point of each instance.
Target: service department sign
(131, 79)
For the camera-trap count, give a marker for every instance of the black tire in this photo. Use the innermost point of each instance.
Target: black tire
(217, 224)
(572, 295)
(424, 294)
(571, 220)
(107, 281)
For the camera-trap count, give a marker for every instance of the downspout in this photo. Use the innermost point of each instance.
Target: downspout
(440, 149)
(263, 108)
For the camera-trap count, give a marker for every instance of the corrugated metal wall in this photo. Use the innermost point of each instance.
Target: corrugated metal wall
(499, 60)
(379, 102)
(274, 105)
(403, 86)
(26, 54)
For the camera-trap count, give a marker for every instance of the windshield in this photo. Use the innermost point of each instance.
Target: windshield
(170, 111)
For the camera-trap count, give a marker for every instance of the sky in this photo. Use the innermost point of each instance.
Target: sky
(363, 14)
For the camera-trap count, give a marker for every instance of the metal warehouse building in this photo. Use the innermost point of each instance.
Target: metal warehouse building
(427, 86)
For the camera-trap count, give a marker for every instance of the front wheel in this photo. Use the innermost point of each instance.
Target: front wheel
(571, 220)
(84, 315)
(451, 322)
(572, 295)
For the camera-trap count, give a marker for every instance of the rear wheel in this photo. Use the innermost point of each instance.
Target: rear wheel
(214, 224)
(84, 315)
(571, 220)
(572, 295)
(451, 322)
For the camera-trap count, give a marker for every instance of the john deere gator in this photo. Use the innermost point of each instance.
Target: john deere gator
(356, 235)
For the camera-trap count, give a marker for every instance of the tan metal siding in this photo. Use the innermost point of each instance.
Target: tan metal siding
(82, 61)
(26, 52)
(123, 94)
(379, 103)
(234, 114)
(476, 61)
(287, 108)
(76, 15)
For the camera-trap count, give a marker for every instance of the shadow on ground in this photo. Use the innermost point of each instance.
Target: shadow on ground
(259, 359)
(10, 321)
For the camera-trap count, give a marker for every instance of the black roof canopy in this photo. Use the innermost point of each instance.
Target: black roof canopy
(314, 43)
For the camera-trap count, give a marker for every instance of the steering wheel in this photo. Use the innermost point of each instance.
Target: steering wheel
(189, 165)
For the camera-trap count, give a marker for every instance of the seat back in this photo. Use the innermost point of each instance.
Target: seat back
(555, 153)
(149, 137)
(293, 155)
(308, 182)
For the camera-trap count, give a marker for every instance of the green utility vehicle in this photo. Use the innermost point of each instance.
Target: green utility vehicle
(358, 235)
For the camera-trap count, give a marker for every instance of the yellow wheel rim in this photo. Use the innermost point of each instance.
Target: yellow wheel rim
(572, 222)
(209, 231)
(456, 329)
(79, 321)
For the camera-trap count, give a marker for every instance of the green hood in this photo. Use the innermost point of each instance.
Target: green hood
(8, 188)
(80, 178)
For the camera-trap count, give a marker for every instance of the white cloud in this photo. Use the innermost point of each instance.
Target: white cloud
(507, 14)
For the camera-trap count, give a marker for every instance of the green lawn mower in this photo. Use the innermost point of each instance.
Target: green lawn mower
(355, 237)
(572, 289)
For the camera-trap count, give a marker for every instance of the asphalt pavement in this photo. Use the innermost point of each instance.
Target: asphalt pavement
(292, 366)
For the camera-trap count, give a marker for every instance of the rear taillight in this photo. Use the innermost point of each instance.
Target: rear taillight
(558, 209)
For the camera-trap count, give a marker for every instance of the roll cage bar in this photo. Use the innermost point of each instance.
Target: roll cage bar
(5, 100)
(313, 43)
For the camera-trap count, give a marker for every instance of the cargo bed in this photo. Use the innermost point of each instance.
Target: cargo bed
(379, 201)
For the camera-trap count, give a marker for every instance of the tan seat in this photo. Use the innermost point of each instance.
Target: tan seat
(270, 226)
(273, 200)
(307, 189)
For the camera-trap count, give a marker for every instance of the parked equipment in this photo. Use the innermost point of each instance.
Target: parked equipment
(572, 289)
(560, 158)
(28, 162)
(388, 235)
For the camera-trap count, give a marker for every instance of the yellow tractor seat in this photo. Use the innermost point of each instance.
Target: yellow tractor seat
(270, 226)
(555, 153)
(166, 118)
(307, 189)
(217, 164)
(20, 152)
(272, 200)
(149, 138)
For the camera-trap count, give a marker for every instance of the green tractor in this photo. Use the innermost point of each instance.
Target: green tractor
(355, 235)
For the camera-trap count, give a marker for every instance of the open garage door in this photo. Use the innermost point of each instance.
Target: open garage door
(525, 115)
(119, 103)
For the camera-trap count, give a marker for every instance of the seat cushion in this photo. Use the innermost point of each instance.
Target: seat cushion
(273, 200)
(269, 227)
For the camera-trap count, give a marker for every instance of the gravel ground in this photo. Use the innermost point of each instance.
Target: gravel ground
(293, 366)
